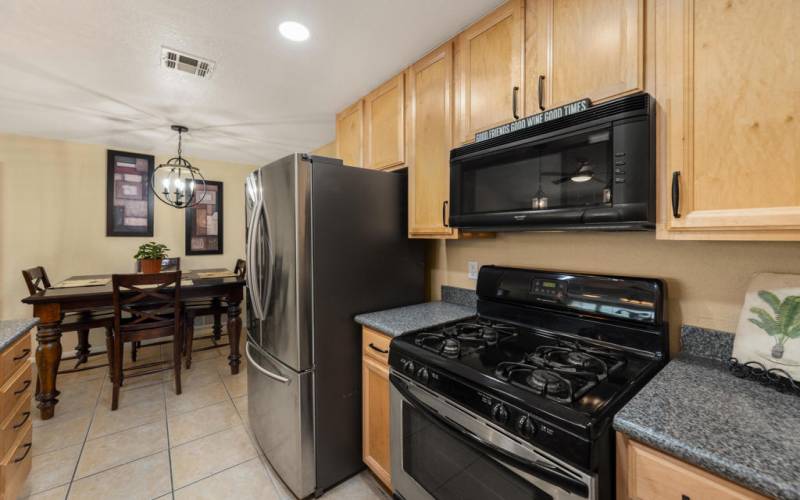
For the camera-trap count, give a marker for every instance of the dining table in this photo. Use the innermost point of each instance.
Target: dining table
(50, 306)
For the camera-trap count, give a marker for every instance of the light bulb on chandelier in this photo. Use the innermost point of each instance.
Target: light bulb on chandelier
(181, 184)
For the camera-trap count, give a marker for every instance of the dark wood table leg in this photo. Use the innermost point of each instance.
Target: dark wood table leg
(48, 356)
(234, 328)
(217, 329)
(83, 348)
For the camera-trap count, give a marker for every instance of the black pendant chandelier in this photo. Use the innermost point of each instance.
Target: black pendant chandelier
(177, 183)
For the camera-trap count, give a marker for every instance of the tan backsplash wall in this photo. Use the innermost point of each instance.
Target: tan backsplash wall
(706, 280)
(53, 213)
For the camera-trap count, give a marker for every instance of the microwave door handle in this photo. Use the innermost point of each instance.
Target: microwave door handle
(542, 474)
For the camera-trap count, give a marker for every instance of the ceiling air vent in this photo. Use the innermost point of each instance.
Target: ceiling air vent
(172, 59)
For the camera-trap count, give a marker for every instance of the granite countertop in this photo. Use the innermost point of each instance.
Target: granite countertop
(696, 410)
(12, 329)
(400, 320)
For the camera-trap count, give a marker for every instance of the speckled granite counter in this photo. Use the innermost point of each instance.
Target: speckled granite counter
(12, 329)
(696, 410)
(394, 322)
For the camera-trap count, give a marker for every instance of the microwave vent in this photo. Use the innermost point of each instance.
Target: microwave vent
(181, 61)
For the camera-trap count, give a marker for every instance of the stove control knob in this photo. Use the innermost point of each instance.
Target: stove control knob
(525, 427)
(423, 375)
(500, 413)
(409, 367)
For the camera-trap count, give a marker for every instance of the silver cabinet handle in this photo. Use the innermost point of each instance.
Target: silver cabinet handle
(259, 368)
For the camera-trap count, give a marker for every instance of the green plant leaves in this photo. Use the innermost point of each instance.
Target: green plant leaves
(771, 299)
(764, 321)
(151, 250)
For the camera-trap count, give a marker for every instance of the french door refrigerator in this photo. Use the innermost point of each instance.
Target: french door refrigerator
(324, 242)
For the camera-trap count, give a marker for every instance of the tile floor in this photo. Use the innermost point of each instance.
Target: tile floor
(158, 445)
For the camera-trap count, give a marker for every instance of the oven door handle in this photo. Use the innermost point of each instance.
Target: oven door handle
(544, 471)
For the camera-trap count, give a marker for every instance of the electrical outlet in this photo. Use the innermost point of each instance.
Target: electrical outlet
(472, 270)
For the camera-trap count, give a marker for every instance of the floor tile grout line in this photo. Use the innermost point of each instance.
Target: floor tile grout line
(169, 447)
(86, 436)
(214, 474)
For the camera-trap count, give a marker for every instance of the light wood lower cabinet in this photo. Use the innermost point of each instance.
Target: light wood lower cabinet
(16, 391)
(728, 87)
(646, 474)
(375, 373)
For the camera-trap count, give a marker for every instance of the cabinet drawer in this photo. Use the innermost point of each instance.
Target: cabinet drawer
(657, 476)
(376, 345)
(14, 357)
(16, 388)
(16, 465)
(14, 423)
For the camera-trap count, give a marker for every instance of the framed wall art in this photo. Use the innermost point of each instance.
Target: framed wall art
(769, 325)
(204, 222)
(129, 199)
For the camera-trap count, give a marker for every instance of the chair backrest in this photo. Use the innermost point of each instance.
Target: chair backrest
(36, 279)
(151, 303)
(240, 268)
(167, 264)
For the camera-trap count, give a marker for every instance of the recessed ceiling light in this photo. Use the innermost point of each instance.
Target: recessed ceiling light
(295, 32)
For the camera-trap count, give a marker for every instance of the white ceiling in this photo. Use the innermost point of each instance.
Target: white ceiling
(89, 70)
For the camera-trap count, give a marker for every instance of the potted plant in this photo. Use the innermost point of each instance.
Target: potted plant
(783, 325)
(150, 256)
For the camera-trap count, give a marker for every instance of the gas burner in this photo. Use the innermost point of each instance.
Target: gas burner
(549, 382)
(454, 340)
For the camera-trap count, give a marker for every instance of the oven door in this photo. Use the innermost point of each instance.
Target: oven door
(443, 451)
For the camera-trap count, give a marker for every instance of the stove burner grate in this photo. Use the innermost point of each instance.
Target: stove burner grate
(455, 340)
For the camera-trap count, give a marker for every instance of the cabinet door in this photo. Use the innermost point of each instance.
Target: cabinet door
(385, 121)
(376, 419)
(595, 48)
(729, 79)
(489, 71)
(429, 125)
(350, 135)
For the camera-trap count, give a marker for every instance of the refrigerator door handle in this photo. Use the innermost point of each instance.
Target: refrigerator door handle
(252, 278)
(270, 259)
(258, 367)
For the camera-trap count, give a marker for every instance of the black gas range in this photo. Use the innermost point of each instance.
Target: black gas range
(517, 402)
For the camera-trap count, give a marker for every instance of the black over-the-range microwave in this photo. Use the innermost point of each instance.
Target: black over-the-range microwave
(593, 169)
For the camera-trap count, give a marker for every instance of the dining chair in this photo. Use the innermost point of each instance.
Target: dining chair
(215, 307)
(82, 322)
(168, 264)
(146, 306)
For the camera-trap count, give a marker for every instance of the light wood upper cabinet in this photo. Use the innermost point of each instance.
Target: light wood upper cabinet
(728, 81)
(489, 71)
(384, 118)
(350, 135)
(429, 91)
(328, 150)
(583, 48)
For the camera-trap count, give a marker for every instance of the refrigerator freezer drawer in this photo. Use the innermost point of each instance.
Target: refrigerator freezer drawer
(281, 417)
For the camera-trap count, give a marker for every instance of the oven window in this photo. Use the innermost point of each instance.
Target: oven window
(571, 172)
(449, 468)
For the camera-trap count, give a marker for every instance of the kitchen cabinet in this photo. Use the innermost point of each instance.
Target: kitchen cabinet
(375, 401)
(350, 135)
(16, 391)
(647, 474)
(328, 150)
(429, 91)
(728, 79)
(582, 48)
(489, 71)
(384, 119)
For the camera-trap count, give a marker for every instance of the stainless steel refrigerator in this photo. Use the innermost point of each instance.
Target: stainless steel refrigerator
(324, 242)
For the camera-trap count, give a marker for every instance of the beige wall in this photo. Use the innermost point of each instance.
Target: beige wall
(706, 280)
(52, 213)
